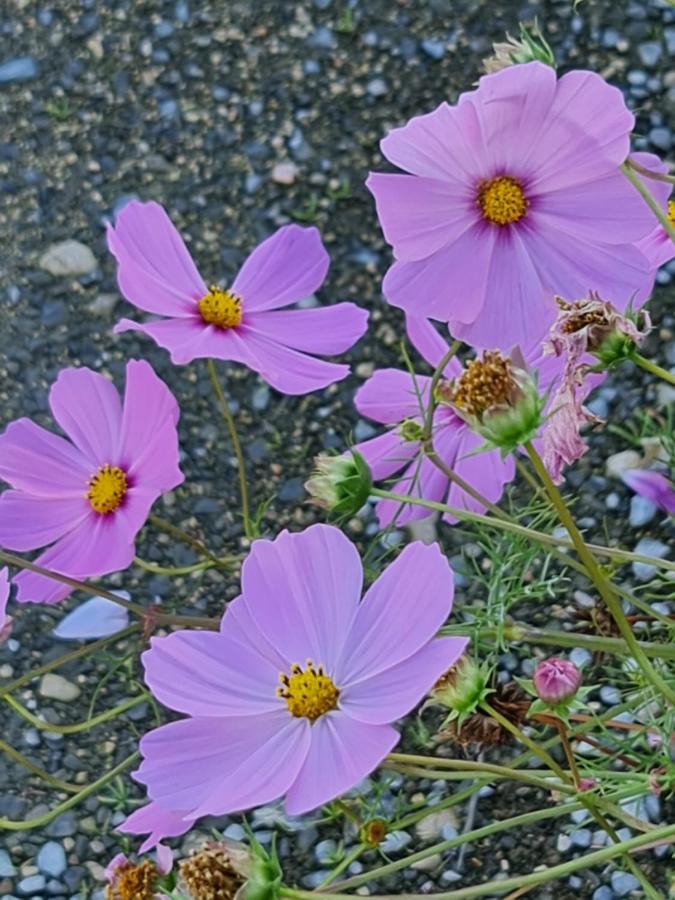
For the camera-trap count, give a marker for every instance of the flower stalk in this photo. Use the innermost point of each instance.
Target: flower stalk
(629, 170)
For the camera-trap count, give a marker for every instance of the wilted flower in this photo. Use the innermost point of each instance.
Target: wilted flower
(556, 680)
(652, 486)
(479, 729)
(514, 195)
(373, 832)
(340, 484)
(87, 497)
(562, 443)
(217, 870)
(301, 672)
(5, 620)
(531, 46)
(137, 881)
(244, 322)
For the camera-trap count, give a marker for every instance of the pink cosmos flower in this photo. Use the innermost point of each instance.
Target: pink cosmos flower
(514, 195)
(295, 696)
(5, 620)
(652, 486)
(87, 497)
(244, 322)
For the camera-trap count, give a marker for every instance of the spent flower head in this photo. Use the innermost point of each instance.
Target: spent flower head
(530, 46)
(216, 870)
(461, 689)
(340, 484)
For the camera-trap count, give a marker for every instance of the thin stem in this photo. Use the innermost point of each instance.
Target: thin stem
(652, 367)
(663, 835)
(531, 745)
(342, 865)
(458, 797)
(435, 378)
(175, 570)
(452, 476)
(236, 445)
(648, 173)
(79, 726)
(87, 790)
(36, 770)
(186, 539)
(596, 574)
(645, 193)
(91, 589)
(67, 658)
(539, 537)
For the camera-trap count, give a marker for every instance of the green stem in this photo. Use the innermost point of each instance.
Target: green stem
(650, 200)
(67, 658)
(665, 834)
(531, 745)
(539, 537)
(342, 865)
(11, 825)
(79, 726)
(186, 539)
(597, 576)
(36, 770)
(234, 437)
(435, 378)
(175, 570)
(453, 800)
(652, 367)
(552, 638)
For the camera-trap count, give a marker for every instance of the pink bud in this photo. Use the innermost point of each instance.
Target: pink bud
(556, 680)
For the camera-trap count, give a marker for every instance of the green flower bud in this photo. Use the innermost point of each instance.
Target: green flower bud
(462, 689)
(340, 484)
(410, 430)
(531, 46)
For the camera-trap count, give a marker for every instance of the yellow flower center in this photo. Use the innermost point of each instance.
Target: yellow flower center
(484, 383)
(308, 692)
(671, 212)
(107, 489)
(221, 308)
(133, 882)
(502, 200)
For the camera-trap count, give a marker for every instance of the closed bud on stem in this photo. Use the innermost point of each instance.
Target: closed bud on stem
(556, 680)
(531, 46)
(340, 484)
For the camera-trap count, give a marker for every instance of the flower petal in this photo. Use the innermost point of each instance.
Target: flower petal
(95, 618)
(392, 395)
(148, 440)
(487, 472)
(652, 486)
(423, 480)
(205, 673)
(342, 752)
(323, 330)
(302, 590)
(391, 694)
(87, 406)
(287, 267)
(449, 284)
(420, 215)
(400, 612)
(160, 823)
(39, 462)
(213, 765)
(92, 548)
(387, 453)
(155, 270)
(4, 596)
(430, 345)
(28, 522)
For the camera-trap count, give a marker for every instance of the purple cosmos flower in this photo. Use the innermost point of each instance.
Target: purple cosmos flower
(393, 397)
(5, 620)
(652, 486)
(244, 322)
(556, 680)
(87, 497)
(514, 195)
(296, 694)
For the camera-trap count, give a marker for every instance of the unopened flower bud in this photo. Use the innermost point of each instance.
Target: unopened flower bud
(531, 46)
(556, 680)
(341, 484)
(498, 398)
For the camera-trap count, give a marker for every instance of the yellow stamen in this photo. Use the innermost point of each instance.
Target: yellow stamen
(308, 692)
(671, 212)
(221, 308)
(485, 383)
(133, 882)
(107, 489)
(502, 200)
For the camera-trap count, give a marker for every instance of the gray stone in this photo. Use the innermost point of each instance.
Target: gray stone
(648, 547)
(582, 838)
(64, 825)
(23, 68)
(642, 511)
(7, 870)
(580, 656)
(603, 893)
(661, 138)
(103, 305)
(234, 832)
(650, 53)
(31, 885)
(325, 851)
(56, 687)
(377, 87)
(395, 842)
(68, 258)
(433, 48)
(610, 696)
(623, 883)
(51, 860)
(563, 843)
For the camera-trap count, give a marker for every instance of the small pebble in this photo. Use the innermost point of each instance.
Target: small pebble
(623, 883)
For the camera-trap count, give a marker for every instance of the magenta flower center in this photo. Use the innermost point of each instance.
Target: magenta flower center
(221, 308)
(502, 200)
(308, 692)
(107, 489)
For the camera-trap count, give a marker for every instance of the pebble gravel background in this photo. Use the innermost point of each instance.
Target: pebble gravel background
(240, 117)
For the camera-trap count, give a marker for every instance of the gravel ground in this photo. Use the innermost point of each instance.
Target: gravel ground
(240, 117)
